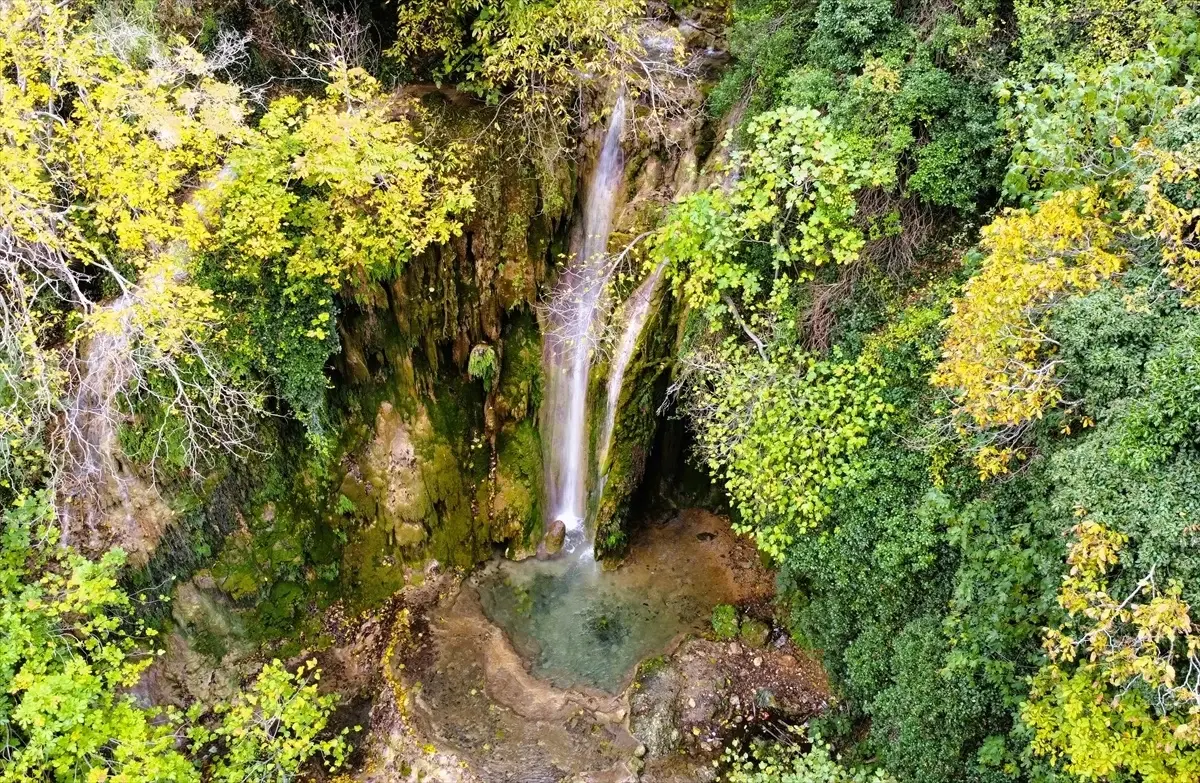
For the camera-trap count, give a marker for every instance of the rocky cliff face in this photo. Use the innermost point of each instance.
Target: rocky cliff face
(441, 456)
(464, 469)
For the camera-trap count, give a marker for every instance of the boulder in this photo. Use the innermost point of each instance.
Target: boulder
(552, 542)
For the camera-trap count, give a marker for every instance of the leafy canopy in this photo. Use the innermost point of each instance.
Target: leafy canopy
(996, 346)
(783, 431)
(68, 655)
(1121, 691)
(323, 195)
(789, 210)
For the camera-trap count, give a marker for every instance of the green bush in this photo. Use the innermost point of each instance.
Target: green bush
(788, 762)
(483, 365)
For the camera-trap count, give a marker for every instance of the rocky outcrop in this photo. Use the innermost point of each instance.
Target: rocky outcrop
(437, 463)
(684, 708)
(552, 542)
(208, 651)
(634, 402)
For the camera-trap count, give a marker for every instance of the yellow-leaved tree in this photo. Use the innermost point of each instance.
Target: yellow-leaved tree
(1120, 694)
(99, 147)
(326, 191)
(998, 359)
(161, 255)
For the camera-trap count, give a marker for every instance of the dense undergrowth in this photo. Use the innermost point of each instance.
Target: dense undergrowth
(940, 347)
(941, 354)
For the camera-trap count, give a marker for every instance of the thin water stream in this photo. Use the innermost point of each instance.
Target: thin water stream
(635, 311)
(577, 309)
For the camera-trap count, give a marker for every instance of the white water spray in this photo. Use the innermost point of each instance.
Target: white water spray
(576, 318)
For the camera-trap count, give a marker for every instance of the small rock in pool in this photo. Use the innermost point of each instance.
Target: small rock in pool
(552, 542)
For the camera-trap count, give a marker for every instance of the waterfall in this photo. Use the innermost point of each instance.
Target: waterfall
(576, 315)
(89, 422)
(635, 311)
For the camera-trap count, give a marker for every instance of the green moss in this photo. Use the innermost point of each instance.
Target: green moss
(754, 633)
(517, 508)
(725, 622)
(520, 389)
(455, 539)
(205, 642)
(414, 499)
(650, 667)
(371, 570)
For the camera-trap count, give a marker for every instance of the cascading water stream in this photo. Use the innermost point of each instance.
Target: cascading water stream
(576, 317)
(635, 312)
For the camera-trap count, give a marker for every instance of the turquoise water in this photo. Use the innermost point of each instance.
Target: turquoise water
(579, 626)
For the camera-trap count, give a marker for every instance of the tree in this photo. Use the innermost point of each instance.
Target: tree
(789, 210)
(69, 652)
(98, 155)
(268, 733)
(1121, 691)
(159, 255)
(997, 357)
(782, 430)
(535, 57)
(326, 194)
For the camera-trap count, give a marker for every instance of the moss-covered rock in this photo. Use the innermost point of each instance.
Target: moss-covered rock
(437, 462)
(633, 428)
(517, 503)
(412, 499)
(519, 389)
(754, 633)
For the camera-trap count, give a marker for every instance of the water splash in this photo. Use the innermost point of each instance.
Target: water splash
(576, 313)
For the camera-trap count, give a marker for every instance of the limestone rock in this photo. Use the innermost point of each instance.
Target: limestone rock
(207, 654)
